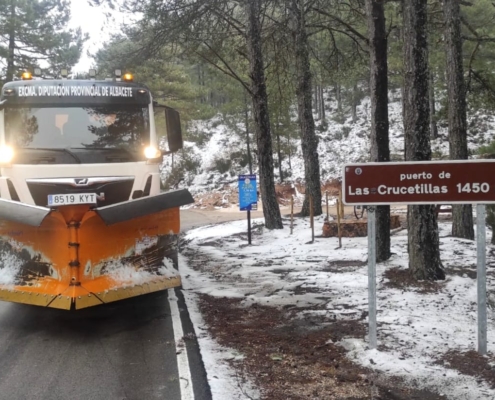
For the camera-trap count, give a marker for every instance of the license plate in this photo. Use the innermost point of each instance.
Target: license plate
(67, 199)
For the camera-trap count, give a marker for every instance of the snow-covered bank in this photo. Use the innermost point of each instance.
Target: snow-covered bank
(417, 327)
(215, 160)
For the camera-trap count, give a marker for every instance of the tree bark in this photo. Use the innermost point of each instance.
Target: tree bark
(316, 103)
(380, 150)
(289, 152)
(322, 103)
(433, 111)
(271, 209)
(279, 155)
(338, 97)
(423, 240)
(201, 99)
(355, 100)
(462, 214)
(309, 141)
(10, 61)
(248, 141)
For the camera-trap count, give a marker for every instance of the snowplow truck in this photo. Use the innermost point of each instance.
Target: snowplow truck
(83, 220)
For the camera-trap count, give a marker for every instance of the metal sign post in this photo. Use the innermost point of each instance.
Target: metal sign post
(423, 182)
(372, 277)
(249, 226)
(248, 197)
(481, 276)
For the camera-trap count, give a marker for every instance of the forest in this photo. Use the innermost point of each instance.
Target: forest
(283, 71)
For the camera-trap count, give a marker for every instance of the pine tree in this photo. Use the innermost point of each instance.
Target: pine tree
(462, 215)
(380, 150)
(309, 141)
(33, 33)
(165, 74)
(271, 210)
(423, 238)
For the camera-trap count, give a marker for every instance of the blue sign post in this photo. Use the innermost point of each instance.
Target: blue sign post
(248, 197)
(248, 194)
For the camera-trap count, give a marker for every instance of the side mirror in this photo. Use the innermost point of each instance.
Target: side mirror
(174, 130)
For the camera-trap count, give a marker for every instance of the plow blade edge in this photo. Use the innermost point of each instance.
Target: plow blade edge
(147, 205)
(23, 213)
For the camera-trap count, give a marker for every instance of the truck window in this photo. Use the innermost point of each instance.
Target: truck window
(78, 127)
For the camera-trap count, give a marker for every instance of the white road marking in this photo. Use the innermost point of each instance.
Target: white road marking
(186, 388)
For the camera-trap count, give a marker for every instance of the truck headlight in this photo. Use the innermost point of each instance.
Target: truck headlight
(6, 154)
(152, 152)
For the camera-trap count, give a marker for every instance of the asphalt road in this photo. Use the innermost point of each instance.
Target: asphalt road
(118, 351)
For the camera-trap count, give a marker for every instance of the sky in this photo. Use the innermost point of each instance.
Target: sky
(92, 20)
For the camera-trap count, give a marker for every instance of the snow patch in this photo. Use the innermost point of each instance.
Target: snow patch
(168, 270)
(10, 266)
(128, 274)
(416, 328)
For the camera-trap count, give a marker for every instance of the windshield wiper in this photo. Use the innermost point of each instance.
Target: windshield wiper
(59, 149)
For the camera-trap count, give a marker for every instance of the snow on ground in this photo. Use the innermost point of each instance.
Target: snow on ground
(348, 142)
(415, 328)
(222, 379)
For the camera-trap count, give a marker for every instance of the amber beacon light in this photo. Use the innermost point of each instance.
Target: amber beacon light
(27, 76)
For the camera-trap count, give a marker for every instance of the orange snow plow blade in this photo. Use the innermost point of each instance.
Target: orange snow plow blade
(77, 258)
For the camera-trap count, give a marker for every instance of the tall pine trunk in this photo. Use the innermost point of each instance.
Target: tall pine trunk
(462, 214)
(289, 152)
(248, 141)
(433, 112)
(338, 97)
(380, 150)
(309, 141)
(271, 209)
(316, 103)
(354, 102)
(276, 131)
(11, 51)
(423, 240)
(322, 103)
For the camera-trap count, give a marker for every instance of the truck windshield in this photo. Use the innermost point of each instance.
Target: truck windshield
(110, 127)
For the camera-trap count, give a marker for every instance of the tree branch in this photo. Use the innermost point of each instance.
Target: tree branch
(478, 39)
(228, 71)
(343, 23)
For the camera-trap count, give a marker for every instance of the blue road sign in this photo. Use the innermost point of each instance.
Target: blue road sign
(248, 194)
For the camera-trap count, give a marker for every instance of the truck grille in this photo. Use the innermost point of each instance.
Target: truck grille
(115, 189)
